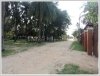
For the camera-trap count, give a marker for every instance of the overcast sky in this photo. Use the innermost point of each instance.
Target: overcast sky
(74, 9)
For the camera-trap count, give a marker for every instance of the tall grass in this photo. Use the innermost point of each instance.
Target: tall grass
(76, 46)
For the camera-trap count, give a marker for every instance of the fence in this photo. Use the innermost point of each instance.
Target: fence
(89, 40)
(95, 41)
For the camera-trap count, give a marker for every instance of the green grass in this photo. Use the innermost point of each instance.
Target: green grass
(21, 45)
(12, 47)
(72, 69)
(77, 46)
(8, 52)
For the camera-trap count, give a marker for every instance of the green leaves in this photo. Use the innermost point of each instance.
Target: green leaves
(75, 33)
(72, 69)
(92, 15)
(36, 19)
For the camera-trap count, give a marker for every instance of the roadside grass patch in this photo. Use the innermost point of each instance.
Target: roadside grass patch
(72, 69)
(12, 47)
(76, 46)
(8, 52)
(20, 45)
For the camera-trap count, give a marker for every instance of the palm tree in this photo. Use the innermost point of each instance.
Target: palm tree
(44, 12)
(61, 23)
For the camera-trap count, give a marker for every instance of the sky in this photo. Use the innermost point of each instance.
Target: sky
(74, 10)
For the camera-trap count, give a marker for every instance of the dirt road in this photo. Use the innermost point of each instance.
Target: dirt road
(45, 59)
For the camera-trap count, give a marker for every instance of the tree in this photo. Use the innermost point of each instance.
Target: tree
(24, 6)
(17, 18)
(44, 12)
(75, 33)
(61, 23)
(91, 10)
(3, 16)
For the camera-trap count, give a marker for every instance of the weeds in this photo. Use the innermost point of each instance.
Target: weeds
(77, 46)
(72, 69)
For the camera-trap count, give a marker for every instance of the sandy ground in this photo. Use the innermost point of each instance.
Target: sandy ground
(46, 59)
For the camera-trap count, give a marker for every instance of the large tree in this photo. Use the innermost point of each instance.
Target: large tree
(91, 10)
(44, 12)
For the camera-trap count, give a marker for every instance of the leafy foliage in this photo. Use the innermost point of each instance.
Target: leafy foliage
(77, 46)
(37, 19)
(75, 33)
(91, 10)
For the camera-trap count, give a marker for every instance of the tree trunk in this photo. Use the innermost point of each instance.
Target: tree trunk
(15, 37)
(3, 19)
(39, 23)
(45, 35)
(39, 34)
(53, 38)
(16, 23)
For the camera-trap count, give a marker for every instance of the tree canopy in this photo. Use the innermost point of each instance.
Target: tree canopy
(37, 19)
(75, 33)
(91, 10)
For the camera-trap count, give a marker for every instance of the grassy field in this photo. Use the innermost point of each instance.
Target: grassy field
(12, 47)
(72, 69)
(77, 46)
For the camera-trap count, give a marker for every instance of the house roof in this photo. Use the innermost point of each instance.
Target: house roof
(88, 25)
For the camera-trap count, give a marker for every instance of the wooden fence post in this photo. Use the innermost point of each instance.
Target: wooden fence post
(95, 41)
(82, 38)
(90, 41)
(85, 40)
